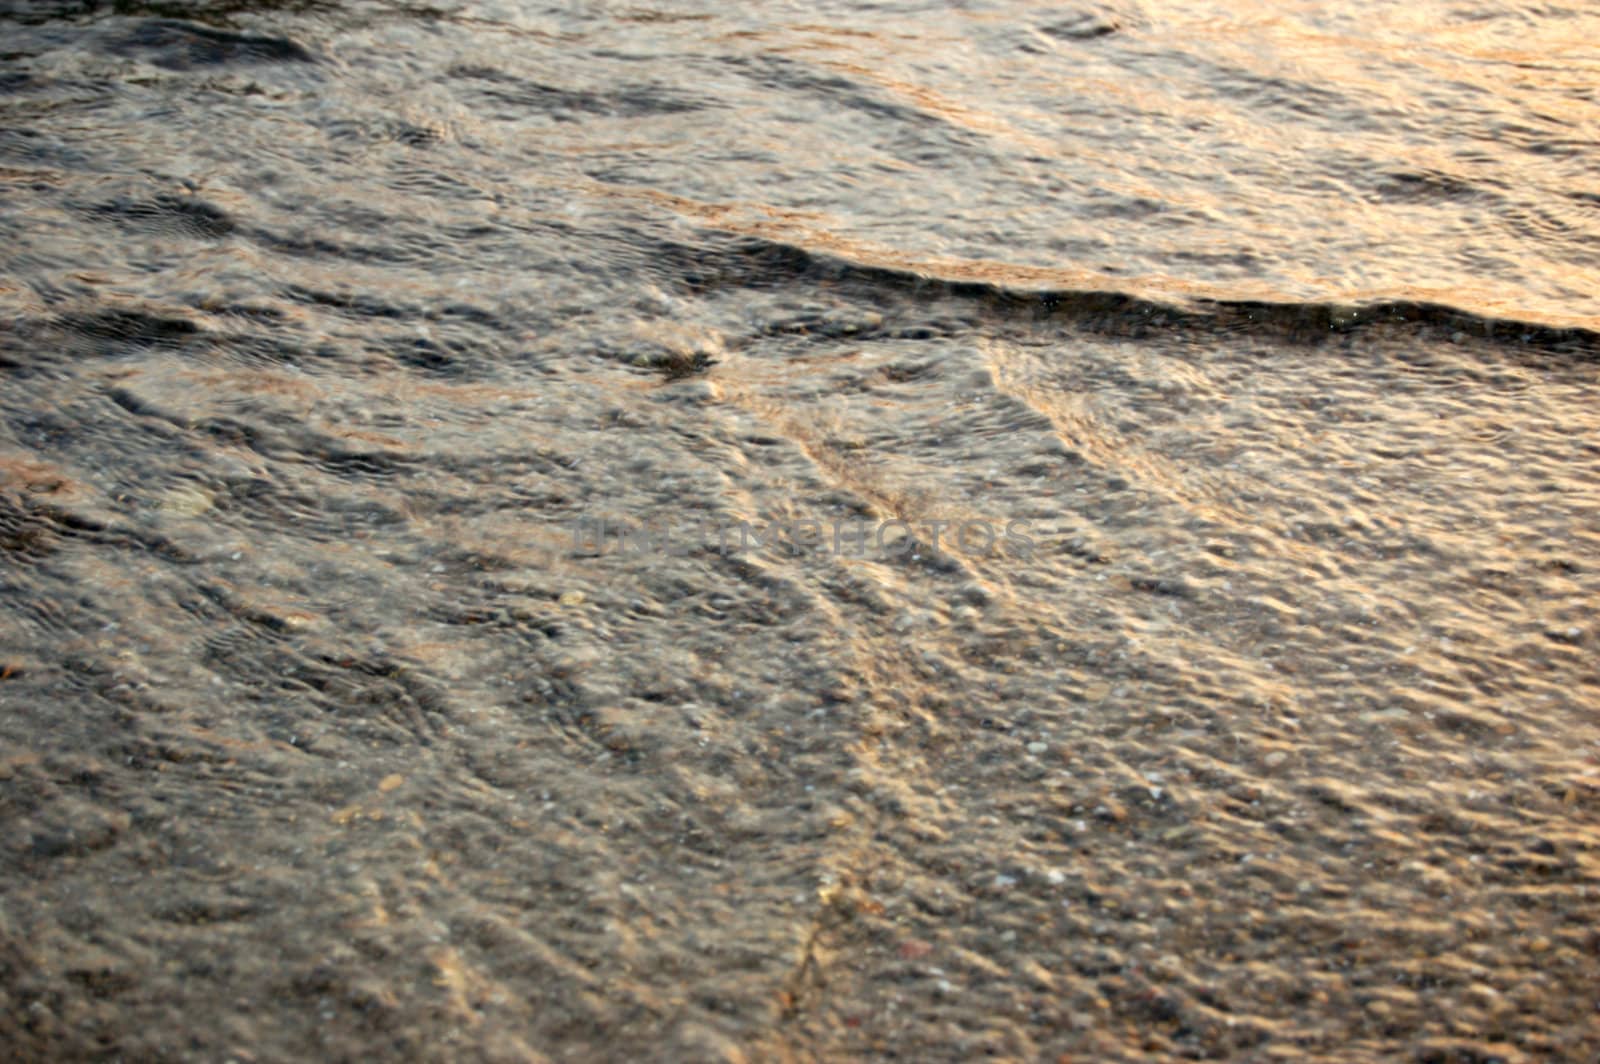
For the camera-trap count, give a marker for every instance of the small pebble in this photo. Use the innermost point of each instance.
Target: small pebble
(186, 502)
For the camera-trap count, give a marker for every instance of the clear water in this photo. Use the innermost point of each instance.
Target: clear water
(832, 531)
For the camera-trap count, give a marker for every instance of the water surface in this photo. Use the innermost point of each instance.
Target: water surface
(330, 334)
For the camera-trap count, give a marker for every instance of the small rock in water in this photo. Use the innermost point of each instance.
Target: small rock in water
(186, 502)
(571, 598)
(1038, 748)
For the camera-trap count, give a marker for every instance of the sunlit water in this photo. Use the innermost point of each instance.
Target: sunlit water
(808, 531)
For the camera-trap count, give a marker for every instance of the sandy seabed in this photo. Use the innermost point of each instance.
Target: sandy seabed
(324, 738)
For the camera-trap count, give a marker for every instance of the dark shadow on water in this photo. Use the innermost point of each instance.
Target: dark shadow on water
(216, 12)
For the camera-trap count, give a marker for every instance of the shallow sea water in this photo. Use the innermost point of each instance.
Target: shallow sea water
(836, 531)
